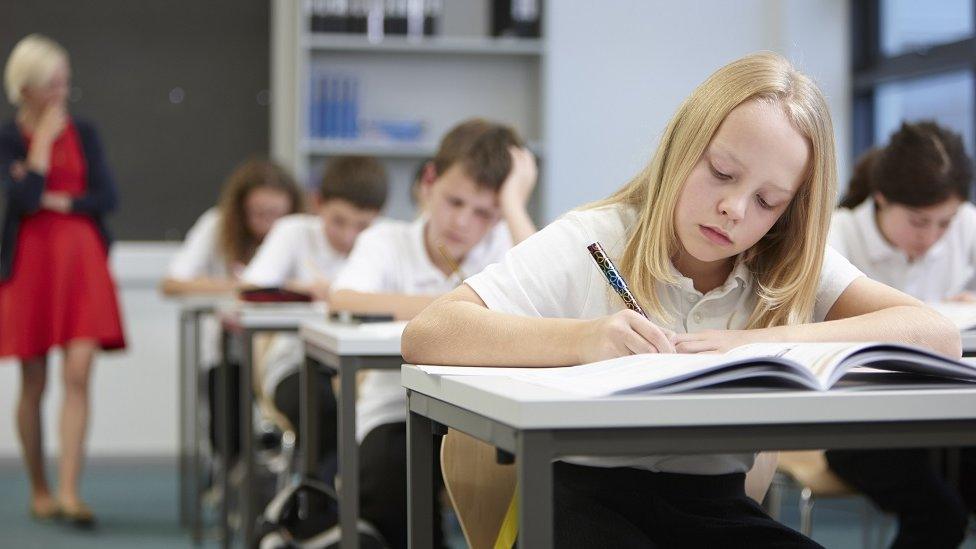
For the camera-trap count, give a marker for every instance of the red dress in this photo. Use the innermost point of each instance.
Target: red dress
(60, 288)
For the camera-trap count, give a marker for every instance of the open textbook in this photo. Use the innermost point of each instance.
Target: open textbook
(815, 366)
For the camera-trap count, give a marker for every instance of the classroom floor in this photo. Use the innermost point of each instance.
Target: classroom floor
(136, 506)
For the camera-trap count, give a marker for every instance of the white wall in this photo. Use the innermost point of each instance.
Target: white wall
(618, 69)
(134, 393)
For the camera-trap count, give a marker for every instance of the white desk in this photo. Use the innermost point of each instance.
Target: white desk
(538, 425)
(191, 393)
(249, 319)
(969, 343)
(346, 349)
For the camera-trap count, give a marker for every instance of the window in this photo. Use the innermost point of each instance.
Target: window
(912, 61)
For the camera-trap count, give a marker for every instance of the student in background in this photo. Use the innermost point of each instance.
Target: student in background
(906, 221)
(722, 238)
(225, 238)
(55, 285)
(217, 247)
(305, 252)
(481, 175)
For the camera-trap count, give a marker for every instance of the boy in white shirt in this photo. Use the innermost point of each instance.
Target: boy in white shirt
(480, 175)
(304, 252)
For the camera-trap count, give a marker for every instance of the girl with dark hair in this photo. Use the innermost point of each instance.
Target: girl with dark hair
(222, 242)
(906, 221)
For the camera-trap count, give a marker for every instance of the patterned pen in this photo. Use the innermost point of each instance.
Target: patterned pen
(616, 281)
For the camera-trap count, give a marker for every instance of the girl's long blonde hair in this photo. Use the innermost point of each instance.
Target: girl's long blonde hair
(786, 262)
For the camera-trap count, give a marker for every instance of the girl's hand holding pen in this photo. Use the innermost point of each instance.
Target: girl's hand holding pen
(620, 334)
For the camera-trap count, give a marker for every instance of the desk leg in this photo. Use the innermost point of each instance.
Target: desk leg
(348, 455)
(193, 375)
(420, 481)
(533, 463)
(222, 424)
(247, 491)
(308, 416)
(186, 484)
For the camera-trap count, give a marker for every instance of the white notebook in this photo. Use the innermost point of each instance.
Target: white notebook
(814, 366)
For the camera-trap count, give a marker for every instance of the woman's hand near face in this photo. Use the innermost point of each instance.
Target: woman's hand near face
(621, 334)
(52, 122)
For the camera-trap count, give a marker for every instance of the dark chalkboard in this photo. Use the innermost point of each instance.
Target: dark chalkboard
(178, 89)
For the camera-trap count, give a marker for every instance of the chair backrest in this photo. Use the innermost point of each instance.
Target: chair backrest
(480, 489)
(810, 469)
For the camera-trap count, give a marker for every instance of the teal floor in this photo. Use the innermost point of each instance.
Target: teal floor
(136, 507)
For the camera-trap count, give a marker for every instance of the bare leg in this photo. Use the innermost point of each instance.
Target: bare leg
(78, 357)
(33, 380)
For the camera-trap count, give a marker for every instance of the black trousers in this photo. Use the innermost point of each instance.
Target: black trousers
(287, 399)
(233, 408)
(383, 483)
(625, 507)
(906, 482)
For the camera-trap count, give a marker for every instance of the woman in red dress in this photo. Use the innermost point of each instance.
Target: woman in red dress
(55, 286)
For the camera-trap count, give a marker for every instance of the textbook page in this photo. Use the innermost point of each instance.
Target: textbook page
(821, 359)
(625, 374)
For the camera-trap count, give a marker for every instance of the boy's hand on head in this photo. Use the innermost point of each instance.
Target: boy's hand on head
(964, 297)
(715, 341)
(621, 334)
(517, 187)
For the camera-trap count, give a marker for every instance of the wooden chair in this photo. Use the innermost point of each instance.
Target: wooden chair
(480, 489)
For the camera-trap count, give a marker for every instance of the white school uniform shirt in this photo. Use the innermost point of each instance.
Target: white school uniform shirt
(552, 275)
(392, 258)
(200, 254)
(296, 250)
(946, 269)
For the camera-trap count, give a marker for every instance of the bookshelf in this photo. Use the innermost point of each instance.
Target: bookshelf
(433, 82)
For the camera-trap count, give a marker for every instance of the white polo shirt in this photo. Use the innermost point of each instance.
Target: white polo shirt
(551, 274)
(296, 250)
(200, 255)
(392, 258)
(946, 269)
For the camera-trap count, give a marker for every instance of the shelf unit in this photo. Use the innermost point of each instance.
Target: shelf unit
(439, 80)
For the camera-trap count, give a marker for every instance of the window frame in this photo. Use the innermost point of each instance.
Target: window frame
(870, 67)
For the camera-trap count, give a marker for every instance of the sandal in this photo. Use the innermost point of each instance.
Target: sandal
(79, 516)
(45, 513)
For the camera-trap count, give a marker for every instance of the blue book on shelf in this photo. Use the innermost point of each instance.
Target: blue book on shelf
(347, 123)
(314, 105)
(354, 109)
(333, 108)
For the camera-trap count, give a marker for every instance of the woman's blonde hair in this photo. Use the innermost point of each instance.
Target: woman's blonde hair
(786, 262)
(235, 240)
(31, 64)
